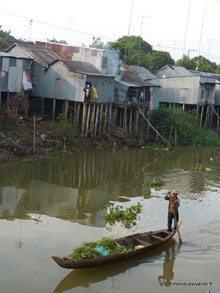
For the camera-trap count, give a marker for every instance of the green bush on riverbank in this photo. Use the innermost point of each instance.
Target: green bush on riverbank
(186, 124)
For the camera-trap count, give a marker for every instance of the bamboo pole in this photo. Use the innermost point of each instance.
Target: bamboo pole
(211, 118)
(92, 120)
(175, 137)
(96, 120)
(77, 116)
(105, 119)
(136, 119)
(100, 120)
(66, 105)
(83, 118)
(125, 121)
(88, 120)
(201, 116)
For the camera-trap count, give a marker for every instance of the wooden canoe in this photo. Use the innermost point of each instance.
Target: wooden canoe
(138, 243)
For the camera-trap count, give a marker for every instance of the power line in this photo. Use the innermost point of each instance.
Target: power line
(53, 25)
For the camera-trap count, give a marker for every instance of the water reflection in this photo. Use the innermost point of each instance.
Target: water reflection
(81, 190)
(171, 252)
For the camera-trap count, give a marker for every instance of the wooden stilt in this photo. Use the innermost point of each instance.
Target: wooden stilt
(183, 107)
(96, 120)
(88, 119)
(201, 116)
(105, 119)
(130, 124)
(26, 108)
(54, 109)
(136, 119)
(100, 120)
(148, 126)
(125, 121)
(42, 106)
(175, 137)
(109, 118)
(211, 118)
(83, 119)
(77, 115)
(92, 120)
(0, 101)
(66, 105)
(121, 115)
(207, 117)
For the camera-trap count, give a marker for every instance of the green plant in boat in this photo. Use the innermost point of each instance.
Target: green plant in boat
(88, 249)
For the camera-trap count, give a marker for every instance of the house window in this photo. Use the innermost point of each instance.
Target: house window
(206, 93)
(104, 62)
(12, 62)
(57, 85)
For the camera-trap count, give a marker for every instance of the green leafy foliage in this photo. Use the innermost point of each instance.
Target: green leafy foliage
(155, 182)
(63, 128)
(87, 249)
(197, 168)
(186, 124)
(127, 216)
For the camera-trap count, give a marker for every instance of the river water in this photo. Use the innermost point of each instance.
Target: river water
(51, 205)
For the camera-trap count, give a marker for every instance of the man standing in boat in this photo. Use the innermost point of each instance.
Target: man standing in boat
(174, 203)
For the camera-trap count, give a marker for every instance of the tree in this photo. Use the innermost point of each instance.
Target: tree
(130, 46)
(186, 62)
(6, 39)
(218, 69)
(97, 43)
(157, 59)
(56, 41)
(204, 65)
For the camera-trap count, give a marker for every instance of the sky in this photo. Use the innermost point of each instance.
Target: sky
(167, 25)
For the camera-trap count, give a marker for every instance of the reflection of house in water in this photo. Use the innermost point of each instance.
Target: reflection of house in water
(10, 198)
(77, 205)
(84, 206)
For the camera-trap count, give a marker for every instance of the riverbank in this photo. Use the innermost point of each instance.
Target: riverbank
(18, 140)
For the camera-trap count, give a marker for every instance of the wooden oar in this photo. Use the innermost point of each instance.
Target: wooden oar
(178, 231)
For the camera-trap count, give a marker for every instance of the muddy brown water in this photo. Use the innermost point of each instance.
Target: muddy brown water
(50, 206)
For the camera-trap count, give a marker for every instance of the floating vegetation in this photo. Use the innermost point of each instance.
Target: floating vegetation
(127, 216)
(102, 247)
(155, 182)
(124, 148)
(29, 160)
(197, 168)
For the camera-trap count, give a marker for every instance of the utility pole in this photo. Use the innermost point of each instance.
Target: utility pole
(187, 19)
(139, 50)
(31, 21)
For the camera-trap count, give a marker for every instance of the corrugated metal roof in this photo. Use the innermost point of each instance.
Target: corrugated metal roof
(43, 56)
(83, 67)
(142, 72)
(206, 74)
(172, 71)
(132, 79)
